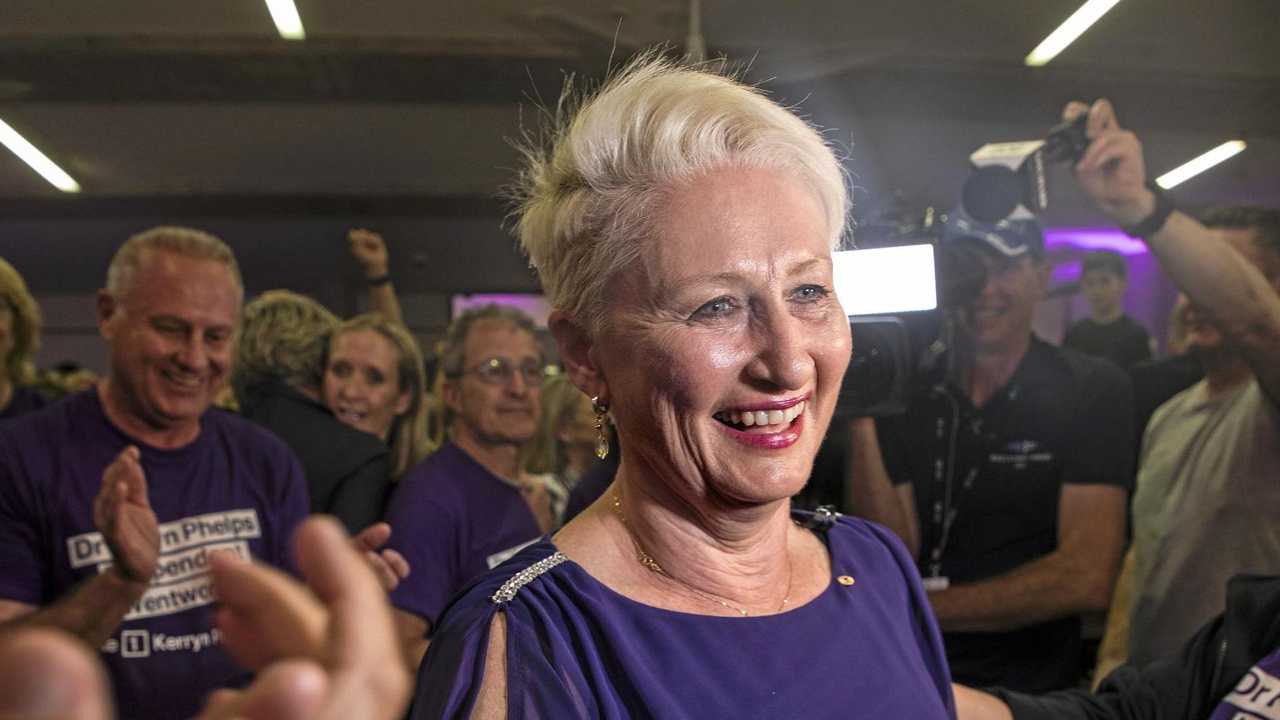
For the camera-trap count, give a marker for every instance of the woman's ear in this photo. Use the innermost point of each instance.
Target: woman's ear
(577, 353)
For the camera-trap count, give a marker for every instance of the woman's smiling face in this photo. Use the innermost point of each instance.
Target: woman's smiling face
(724, 347)
(362, 382)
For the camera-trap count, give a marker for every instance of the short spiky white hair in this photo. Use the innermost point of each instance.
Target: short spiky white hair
(588, 196)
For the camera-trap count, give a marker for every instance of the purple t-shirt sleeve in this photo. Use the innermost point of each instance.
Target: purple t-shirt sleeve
(260, 459)
(293, 505)
(22, 571)
(426, 533)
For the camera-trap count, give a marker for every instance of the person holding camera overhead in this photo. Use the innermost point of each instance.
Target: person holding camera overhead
(1208, 470)
(1007, 476)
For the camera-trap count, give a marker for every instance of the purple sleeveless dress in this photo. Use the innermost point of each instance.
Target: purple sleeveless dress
(576, 649)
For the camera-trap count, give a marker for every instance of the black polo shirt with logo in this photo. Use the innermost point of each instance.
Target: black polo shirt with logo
(987, 482)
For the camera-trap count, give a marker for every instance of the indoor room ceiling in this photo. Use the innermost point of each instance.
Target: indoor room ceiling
(406, 107)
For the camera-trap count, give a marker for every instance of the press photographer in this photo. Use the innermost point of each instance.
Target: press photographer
(1008, 474)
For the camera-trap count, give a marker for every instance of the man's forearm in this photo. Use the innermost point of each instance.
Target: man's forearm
(383, 300)
(974, 704)
(1226, 284)
(1045, 589)
(869, 493)
(91, 612)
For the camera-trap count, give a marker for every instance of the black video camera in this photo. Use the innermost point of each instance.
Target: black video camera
(1009, 179)
(893, 344)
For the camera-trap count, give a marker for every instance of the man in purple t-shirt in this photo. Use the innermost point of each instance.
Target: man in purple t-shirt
(112, 500)
(465, 509)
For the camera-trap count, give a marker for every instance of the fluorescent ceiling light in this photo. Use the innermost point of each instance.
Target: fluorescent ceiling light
(285, 15)
(1068, 31)
(1190, 169)
(38, 161)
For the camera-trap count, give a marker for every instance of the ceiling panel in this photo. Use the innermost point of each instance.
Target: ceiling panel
(143, 98)
(251, 148)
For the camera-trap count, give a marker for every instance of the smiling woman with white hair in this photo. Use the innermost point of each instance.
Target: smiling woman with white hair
(682, 226)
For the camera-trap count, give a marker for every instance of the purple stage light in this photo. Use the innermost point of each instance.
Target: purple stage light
(1093, 239)
(534, 305)
(1065, 273)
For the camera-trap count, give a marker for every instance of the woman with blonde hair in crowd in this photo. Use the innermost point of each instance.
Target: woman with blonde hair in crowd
(374, 381)
(19, 340)
(280, 362)
(682, 226)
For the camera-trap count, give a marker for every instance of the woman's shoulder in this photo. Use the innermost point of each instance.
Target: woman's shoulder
(517, 580)
(453, 670)
(853, 541)
(825, 520)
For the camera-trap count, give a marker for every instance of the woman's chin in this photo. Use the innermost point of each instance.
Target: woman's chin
(755, 489)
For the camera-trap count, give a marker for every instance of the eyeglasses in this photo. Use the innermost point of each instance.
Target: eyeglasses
(499, 371)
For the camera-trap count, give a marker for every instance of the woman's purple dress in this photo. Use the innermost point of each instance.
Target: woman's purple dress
(576, 649)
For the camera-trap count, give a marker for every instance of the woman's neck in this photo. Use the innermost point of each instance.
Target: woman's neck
(741, 556)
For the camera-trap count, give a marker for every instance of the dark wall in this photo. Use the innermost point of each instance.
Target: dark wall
(64, 262)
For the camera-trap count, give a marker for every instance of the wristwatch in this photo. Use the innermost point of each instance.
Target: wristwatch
(1151, 224)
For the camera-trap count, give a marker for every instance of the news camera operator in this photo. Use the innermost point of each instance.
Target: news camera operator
(1007, 476)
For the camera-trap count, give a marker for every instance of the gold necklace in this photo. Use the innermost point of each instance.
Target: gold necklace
(647, 561)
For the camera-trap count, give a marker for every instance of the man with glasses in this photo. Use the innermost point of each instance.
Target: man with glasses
(466, 508)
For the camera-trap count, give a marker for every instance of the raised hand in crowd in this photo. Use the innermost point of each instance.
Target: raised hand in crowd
(123, 515)
(46, 673)
(122, 512)
(370, 251)
(388, 565)
(1112, 170)
(1239, 295)
(327, 650)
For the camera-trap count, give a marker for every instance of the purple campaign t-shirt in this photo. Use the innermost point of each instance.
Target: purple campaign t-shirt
(24, 400)
(235, 487)
(869, 648)
(1256, 696)
(452, 520)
